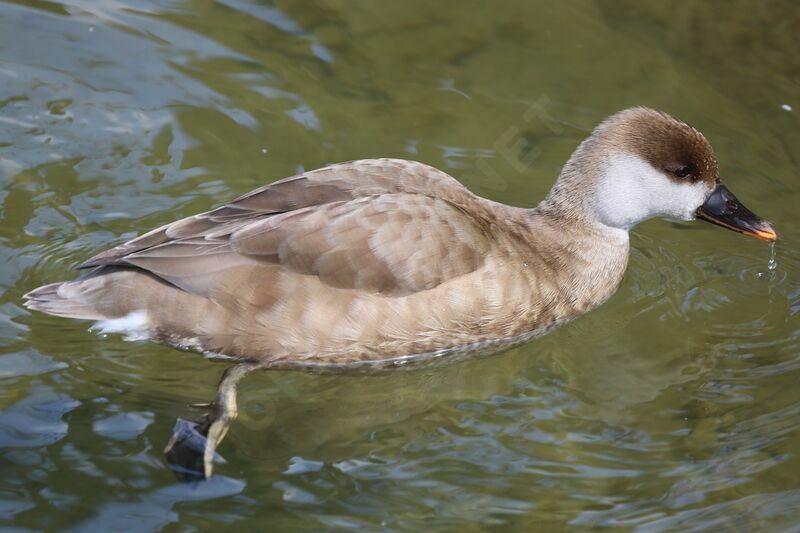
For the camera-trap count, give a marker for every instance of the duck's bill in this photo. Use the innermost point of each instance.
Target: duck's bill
(722, 208)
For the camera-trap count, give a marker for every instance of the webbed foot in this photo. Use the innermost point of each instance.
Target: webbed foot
(192, 449)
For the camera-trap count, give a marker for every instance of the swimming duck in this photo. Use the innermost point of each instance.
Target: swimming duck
(387, 263)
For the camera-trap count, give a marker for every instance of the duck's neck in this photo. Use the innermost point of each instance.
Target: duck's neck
(590, 258)
(583, 238)
(572, 197)
(565, 224)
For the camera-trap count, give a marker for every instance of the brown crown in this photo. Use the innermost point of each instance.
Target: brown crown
(665, 142)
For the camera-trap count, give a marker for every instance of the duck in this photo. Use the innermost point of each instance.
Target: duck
(383, 264)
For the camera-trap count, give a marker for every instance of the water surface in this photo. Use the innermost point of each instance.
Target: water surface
(674, 406)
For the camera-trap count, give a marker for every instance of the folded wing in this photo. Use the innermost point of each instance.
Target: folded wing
(384, 226)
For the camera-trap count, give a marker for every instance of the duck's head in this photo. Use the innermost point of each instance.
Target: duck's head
(639, 164)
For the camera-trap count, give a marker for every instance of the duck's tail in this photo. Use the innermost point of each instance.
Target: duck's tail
(67, 299)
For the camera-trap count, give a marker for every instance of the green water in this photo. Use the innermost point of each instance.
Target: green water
(675, 406)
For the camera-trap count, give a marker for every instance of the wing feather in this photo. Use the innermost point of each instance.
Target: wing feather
(386, 226)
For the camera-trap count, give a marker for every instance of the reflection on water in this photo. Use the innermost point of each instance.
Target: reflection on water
(674, 406)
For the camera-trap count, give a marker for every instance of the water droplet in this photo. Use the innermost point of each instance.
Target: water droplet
(772, 264)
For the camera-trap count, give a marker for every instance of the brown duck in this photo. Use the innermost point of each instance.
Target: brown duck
(387, 263)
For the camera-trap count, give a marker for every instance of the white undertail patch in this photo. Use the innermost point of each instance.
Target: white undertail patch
(134, 326)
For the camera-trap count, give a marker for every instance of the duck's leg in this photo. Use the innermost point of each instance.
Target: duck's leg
(192, 448)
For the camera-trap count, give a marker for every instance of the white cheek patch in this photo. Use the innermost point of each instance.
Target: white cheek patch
(631, 191)
(134, 326)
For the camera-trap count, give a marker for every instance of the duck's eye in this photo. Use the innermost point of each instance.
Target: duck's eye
(682, 171)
